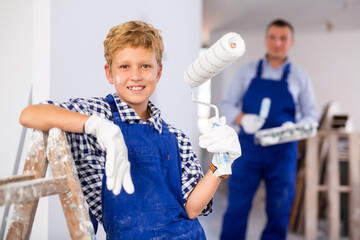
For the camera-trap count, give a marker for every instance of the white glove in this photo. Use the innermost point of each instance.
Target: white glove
(111, 140)
(222, 140)
(252, 123)
(288, 124)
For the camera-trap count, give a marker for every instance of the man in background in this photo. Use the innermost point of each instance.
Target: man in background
(292, 101)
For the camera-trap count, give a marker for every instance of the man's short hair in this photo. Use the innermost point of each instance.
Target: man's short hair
(280, 23)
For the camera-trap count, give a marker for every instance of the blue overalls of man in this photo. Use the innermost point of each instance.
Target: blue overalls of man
(292, 101)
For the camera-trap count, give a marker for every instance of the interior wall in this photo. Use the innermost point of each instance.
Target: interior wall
(15, 74)
(21, 44)
(330, 58)
(77, 62)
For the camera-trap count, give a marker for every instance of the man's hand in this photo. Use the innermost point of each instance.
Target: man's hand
(117, 166)
(252, 123)
(288, 125)
(222, 140)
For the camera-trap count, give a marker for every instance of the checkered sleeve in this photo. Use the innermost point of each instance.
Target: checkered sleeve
(191, 168)
(88, 156)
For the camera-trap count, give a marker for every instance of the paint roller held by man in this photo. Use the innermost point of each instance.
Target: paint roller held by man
(140, 176)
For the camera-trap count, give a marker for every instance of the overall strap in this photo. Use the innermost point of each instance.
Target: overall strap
(286, 72)
(116, 115)
(259, 69)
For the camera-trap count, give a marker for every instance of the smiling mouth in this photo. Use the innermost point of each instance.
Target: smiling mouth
(136, 88)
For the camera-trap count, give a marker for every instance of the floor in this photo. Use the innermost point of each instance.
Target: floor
(212, 223)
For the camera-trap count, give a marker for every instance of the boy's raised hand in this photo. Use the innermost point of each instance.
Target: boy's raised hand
(117, 166)
(220, 138)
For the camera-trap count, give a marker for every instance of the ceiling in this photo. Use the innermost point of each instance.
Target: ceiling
(254, 15)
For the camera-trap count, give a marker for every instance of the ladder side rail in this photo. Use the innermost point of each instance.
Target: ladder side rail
(354, 182)
(23, 213)
(73, 202)
(333, 173)
(311, 188)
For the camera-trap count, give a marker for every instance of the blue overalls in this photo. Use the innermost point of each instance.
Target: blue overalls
(155, 210)
(275, 164)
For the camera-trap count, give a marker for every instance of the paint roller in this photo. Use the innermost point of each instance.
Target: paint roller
(282, 134)
(219, 56)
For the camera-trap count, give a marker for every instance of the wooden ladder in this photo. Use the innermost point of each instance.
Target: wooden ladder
(332, 186)
(25, 190)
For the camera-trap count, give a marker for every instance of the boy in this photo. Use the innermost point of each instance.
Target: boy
(164, 187)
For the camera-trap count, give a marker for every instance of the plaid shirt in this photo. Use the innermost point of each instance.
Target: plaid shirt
(90, 158)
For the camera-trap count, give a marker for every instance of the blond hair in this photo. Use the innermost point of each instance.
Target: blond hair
(133, 34)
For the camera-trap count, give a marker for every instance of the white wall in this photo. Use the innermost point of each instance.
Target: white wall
(334, 64)
(20, 43)
(15, 74)
(78, 29)
(77, 62)
(332, 59)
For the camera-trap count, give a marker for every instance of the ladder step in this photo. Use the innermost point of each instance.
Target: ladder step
(342, 188)
(343, 156)
(31, 190)
(17, 178)
(25, 190)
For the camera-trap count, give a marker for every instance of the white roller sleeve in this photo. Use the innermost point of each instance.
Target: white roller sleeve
(225, 51)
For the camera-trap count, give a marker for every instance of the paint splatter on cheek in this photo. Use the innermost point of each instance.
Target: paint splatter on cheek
(117, 79)
(149, 76)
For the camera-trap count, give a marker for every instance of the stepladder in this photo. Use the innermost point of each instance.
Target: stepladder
(25, 190)
(330, 186)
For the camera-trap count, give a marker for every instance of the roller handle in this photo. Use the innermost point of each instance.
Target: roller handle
(265, 108)
(221, 160)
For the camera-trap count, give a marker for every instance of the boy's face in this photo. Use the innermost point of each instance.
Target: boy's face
(135, 73)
